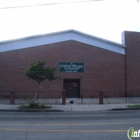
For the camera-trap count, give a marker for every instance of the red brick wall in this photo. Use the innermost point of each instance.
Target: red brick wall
(132, 41)
(104, 70)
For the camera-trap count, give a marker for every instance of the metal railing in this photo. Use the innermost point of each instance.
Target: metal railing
(90, 96)
(20, 97)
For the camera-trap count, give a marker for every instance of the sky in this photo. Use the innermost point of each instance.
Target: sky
(102, 18)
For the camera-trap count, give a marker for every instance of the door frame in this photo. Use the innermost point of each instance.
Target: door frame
(73, 80)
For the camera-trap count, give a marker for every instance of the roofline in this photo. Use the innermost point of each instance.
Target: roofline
(58, 32)
(71, 35)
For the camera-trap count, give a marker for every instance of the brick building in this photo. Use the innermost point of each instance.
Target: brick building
(84, 63)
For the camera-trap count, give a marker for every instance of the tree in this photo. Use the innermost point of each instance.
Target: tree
(38, 72)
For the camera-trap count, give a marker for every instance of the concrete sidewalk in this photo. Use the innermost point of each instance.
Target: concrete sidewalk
(71, 107)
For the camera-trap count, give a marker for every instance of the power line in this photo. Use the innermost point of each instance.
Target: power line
(44, 4)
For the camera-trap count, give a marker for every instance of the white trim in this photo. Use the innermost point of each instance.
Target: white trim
(123, 37)
(60, 37)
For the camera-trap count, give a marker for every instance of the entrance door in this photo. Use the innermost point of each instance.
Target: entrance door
(72, 87)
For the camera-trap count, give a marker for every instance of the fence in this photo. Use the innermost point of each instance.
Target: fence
(86, 97)
(20, 97)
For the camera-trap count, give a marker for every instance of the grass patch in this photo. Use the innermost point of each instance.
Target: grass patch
(35, 106)
(134, 106)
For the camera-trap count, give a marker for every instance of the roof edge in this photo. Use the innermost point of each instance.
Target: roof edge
(59, 32)
(54, 37)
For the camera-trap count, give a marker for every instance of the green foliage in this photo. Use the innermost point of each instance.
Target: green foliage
(32, 102)
(41, 106)
(134, 106)
(38, 72)
(34, 106)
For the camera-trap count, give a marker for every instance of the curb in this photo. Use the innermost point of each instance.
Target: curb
(119, 109)
(29, 110)
(57, 110)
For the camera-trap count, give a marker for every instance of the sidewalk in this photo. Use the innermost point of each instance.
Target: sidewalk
(70, 107)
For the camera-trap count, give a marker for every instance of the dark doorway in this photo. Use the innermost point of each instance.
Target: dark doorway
(72, 87)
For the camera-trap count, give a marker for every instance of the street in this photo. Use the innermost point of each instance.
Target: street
(103, 125)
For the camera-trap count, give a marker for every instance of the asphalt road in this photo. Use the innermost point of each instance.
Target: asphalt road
(106, 125)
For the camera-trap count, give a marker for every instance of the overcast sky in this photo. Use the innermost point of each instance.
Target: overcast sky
(105, 19)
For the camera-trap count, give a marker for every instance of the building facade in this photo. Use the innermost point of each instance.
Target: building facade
(85, 63)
